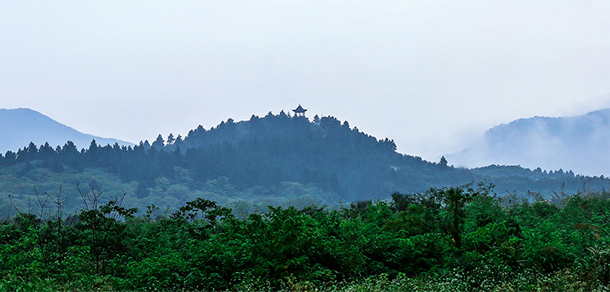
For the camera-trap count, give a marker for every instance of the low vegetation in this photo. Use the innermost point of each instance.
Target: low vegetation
(445, 239)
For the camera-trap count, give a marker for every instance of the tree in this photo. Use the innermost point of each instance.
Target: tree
(93, 146)
(159, 143)
(170, 139)
(32, 150)
(145, 145)
(455, 200)
(443, 161)
(142, 189)
(179, 142)
(46, 150)
(69, 149)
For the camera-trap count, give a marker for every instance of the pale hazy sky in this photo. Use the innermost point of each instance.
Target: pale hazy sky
(429, 74)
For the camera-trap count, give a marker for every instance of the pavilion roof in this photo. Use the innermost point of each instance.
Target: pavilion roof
(299, 109)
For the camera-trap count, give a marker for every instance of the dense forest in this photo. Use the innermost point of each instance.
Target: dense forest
(279, 160)
(445, 239)
(285, 203)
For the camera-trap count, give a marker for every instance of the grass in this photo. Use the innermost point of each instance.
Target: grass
(452, 281)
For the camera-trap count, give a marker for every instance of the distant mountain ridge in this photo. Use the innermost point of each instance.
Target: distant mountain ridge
(579, 143)
(19, 127)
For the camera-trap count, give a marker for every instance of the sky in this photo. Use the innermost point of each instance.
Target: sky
(431, 75)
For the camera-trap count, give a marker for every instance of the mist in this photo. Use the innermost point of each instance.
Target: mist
(428, 75)
(578, 143)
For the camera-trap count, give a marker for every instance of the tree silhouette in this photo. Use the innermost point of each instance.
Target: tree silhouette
(443, 161)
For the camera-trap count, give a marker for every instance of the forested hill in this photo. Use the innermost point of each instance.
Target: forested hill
(283, 148)
(285, 127)
(325, 151)
(276, 159)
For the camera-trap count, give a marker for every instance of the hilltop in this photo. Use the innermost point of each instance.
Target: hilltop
(324, 151)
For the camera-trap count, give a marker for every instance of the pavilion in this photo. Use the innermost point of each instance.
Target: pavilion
(299, 111)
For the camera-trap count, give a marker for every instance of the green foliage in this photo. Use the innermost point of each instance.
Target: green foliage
(410, 243)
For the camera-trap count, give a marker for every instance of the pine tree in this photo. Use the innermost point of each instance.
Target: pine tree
(170, 139)
(159, 143)
(443, 161)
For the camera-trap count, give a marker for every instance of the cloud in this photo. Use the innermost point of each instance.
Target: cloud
(579, 143)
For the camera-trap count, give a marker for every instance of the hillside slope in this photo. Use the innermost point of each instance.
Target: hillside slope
(19, 127)
(365, 167)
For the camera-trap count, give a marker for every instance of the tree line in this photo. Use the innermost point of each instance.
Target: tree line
(264, 152)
